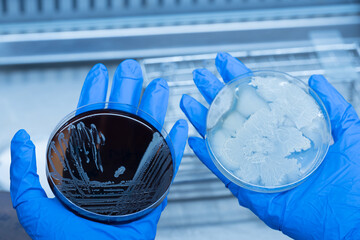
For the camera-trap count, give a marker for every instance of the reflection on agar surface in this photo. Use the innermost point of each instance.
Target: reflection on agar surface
(109, 162)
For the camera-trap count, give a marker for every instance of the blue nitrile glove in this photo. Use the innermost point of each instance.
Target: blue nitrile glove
(45, 218)
(327, 204)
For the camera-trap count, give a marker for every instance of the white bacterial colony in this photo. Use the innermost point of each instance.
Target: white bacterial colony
(266, 132)
(120, 171)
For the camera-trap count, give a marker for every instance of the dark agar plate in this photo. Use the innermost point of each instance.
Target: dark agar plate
(109, 165)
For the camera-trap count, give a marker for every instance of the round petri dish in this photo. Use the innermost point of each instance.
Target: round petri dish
(110, 162)
(267, 131)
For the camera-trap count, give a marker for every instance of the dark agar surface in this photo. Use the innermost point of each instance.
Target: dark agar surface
(109, 162)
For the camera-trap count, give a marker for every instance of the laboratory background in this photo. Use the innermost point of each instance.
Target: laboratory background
(48, 46)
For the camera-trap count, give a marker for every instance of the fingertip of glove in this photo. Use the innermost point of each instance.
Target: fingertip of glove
(99, 66)
(221, 56)
(196, 73)
(230, 67)
(193, 141)
(97, 78)
(129, 69)
(161, 83)
(179, 132)
(316, 79)
(199, 75)
(182, 123)
(21, 143)
(21, 136)
(185, 100)
(97, 70)
(220, 59)
(199, 72)
(185, 104)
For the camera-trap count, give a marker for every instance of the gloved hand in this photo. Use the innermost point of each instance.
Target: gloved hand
(327, 204)
(45, 218)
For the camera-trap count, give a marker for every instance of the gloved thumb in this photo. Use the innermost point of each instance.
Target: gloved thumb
(342, 115)
(24, 181)
(198, 145)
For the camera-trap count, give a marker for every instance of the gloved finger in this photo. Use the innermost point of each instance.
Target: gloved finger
(95, 86)
(195, 112)
(230, 67)
(24, 181)
(49, 219)
(155, 100)
(342, 114)
(198, 145)
(207, 83)
(127, 83)
(178, 136)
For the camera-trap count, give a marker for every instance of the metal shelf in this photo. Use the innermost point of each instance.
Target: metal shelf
(194, 181)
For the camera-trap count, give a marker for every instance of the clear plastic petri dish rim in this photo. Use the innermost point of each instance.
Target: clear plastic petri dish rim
(228, 97)
(110, 162)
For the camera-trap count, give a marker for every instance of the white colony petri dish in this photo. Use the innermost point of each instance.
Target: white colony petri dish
(267, 131)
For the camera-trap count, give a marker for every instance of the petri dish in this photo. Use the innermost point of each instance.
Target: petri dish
(267, 131)
(110, 162)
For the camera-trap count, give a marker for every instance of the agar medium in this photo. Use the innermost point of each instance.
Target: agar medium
(110, 162)
(267, 131)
